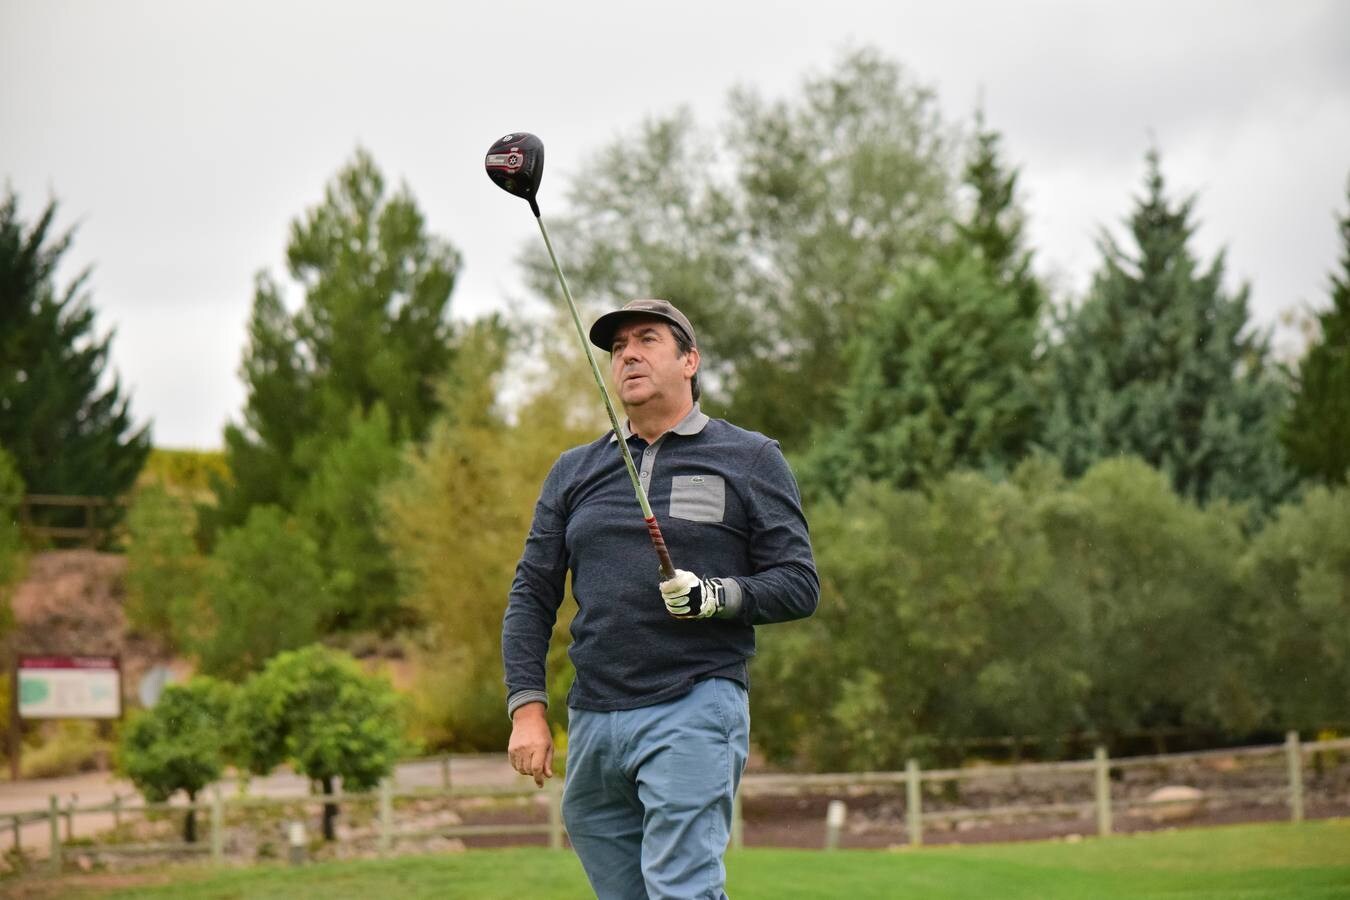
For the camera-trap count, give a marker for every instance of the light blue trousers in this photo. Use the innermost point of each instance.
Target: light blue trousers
(647, 798)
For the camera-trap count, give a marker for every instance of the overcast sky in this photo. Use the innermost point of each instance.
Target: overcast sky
(183, 137)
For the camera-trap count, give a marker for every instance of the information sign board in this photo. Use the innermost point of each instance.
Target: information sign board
(69, 687)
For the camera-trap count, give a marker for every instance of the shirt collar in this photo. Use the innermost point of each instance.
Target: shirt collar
(692, 423)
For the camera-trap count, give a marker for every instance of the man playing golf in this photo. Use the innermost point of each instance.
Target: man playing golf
(659, 713)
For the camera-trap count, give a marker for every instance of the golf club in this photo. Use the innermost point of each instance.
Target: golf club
(515, 163)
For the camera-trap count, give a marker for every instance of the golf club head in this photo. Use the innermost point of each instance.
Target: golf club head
(515, 163)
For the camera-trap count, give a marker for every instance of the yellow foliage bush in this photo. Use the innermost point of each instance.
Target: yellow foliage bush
(457, 522)
(70, 748)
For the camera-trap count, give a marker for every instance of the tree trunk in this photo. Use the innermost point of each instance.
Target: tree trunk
(190, 823)
(330, 810)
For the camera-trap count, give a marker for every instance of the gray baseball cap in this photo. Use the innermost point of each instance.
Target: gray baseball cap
(602, 332)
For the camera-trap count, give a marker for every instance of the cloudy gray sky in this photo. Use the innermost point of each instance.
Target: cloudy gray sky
(182, 137)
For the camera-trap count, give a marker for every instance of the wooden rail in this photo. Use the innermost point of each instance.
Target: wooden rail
(91, 534)
(385, 835)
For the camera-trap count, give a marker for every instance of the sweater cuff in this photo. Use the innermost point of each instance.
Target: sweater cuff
(520, 698)
(731, 593)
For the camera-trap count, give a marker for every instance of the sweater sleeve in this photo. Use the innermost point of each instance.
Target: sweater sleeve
(784, 585)
(536, 593)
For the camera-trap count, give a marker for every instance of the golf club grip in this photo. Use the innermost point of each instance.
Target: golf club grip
(659, 542)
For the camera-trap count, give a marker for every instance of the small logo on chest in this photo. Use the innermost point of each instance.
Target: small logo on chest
(697, 479)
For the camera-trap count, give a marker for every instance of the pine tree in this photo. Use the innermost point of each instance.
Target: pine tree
(366, 348)
(1160, 361)
(1316, 434)
(940, 382)
(994, 226)
(67, 431)
(944, 377)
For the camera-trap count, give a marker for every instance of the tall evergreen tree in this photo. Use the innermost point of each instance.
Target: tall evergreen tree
(1316, 434)
(364, 351)
(994, 225)
(941, 381)
(1160, 361)
(69, 431)
(944, 376)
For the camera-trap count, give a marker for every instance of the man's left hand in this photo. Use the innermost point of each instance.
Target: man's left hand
(689, 597)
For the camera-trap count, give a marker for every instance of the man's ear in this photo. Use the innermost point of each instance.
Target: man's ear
(691, 360)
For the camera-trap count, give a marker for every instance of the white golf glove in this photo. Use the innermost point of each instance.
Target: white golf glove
(689, 597)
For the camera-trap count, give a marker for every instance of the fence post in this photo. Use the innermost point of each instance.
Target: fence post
(217, 827)
(298, 842)
(1103, 791)
(445, 772)
(914, 802)
(1294, 754)
(117, 810)
(70, 816)
(737, 822)
(54, 818)
(555, 826)
(90, 542)
(834, 823)
(18, 847)
(386, 815)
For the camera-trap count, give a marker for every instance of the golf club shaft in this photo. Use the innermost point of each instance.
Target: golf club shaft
(653, 529)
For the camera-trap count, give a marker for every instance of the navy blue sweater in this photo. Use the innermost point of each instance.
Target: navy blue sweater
(728, 507)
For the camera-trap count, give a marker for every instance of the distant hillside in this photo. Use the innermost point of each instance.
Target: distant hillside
(186, 471)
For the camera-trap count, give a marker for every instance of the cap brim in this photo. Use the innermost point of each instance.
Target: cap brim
(602, 332)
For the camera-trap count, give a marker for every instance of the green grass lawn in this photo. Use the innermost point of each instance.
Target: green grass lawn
(1304, 861)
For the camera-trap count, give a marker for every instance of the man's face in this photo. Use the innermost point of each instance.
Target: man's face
(646, 364)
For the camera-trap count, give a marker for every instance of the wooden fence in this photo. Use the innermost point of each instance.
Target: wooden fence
(92, 533)
(1103, 807)
(388, 833)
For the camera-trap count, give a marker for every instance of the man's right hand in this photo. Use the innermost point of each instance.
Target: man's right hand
(531, 746)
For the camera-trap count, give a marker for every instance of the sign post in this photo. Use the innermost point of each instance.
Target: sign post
(15, 729)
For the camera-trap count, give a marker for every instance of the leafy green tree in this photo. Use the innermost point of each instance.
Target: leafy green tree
(1150, 579)
(265, 594)
(372, 331)
(456, 521)
(165, 570)
(777, 257)
(68, 433)
(932, 627)
(1316, 433)
(1160, 362)
(1032, 607)
(318, 710)
(1296, 609)
(176, 745)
